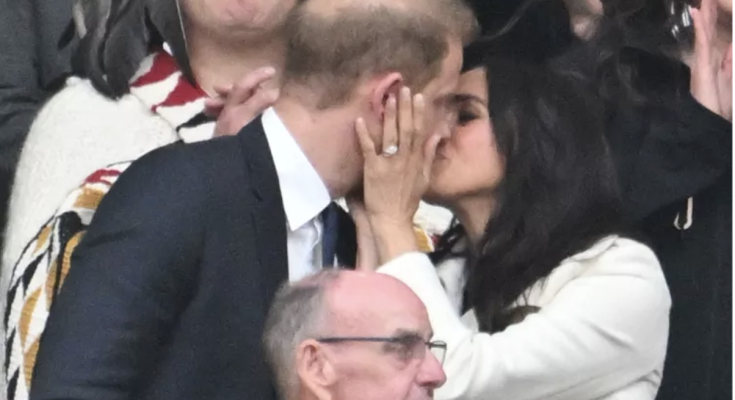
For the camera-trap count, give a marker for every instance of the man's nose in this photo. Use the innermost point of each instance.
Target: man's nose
(431, 373)
(444, 130)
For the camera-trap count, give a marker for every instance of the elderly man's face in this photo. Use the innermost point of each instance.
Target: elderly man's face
(401, 370)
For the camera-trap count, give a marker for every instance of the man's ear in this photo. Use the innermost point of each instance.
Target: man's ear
(315, 369)
(389, 84)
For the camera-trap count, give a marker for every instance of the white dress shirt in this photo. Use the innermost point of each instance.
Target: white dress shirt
(304, 197)
(601, 332)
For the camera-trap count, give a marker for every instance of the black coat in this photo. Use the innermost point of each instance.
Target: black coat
(170, 287)
(667, 151)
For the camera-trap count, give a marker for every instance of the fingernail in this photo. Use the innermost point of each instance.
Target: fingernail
(269, 71)
(405, 91)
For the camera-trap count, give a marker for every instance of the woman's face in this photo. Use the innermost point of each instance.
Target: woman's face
(468, 163)
(236, 19)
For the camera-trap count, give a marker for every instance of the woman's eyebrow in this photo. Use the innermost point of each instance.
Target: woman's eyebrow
(467, 98)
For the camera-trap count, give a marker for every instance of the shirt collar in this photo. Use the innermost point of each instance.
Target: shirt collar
(302, 190)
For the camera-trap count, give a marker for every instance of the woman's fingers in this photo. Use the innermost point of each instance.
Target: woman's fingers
(390, 139)
(403, 127)
(366, 142)
(419, 109)
(429, 153)
(405, 120)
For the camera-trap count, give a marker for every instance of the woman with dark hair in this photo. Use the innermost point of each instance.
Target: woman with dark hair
(534, 291)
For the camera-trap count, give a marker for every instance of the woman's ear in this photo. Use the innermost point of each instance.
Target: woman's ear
(389, 85)
(315, 369)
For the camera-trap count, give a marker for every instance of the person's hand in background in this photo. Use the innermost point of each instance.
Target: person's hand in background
(711, 64)
(239, 104)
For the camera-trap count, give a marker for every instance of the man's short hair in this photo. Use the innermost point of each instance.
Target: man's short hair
(297, 314)
(329, 53)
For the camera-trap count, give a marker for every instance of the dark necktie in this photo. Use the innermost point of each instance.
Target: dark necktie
(330, 223)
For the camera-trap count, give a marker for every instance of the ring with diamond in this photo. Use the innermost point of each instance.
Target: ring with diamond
(390, 151)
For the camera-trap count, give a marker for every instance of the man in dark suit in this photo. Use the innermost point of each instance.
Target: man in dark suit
(170, 287)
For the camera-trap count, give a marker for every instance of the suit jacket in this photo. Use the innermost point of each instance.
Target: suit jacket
(173, 280)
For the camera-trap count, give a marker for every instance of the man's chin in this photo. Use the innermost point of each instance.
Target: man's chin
(433, 198)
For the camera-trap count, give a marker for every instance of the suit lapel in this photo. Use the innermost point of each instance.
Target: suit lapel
(268, 216)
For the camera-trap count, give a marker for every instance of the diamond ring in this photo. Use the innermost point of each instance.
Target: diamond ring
(390, 151)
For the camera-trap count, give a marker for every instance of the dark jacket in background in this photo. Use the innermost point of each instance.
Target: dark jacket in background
(30, 65)
(674, 158)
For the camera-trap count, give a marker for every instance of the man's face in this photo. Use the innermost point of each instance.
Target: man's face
(439, 115)
(405, 370)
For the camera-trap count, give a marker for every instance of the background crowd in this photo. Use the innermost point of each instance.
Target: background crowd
(577, 215)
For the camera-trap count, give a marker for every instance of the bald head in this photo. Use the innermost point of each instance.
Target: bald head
(335, 44)
(337, 302)
(358, 301)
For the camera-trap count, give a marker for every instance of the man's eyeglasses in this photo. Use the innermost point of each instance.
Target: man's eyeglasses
(408, 346)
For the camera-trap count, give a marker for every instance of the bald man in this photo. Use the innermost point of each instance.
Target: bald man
(331, 336)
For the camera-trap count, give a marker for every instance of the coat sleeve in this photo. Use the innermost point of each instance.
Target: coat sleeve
(677, 157)
(602, 332)
(130, 278)
(20, 87)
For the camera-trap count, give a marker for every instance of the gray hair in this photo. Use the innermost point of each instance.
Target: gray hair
(296, 315)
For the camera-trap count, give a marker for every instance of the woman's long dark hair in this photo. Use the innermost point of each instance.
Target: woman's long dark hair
(558, 196)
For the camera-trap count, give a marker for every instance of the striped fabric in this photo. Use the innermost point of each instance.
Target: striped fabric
(39, 273)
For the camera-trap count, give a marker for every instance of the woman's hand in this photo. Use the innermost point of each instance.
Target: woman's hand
(711, 73)
(238, 105)
(367, 252)
(396, 174)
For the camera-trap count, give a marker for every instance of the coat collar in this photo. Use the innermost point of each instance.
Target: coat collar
(595, 251)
